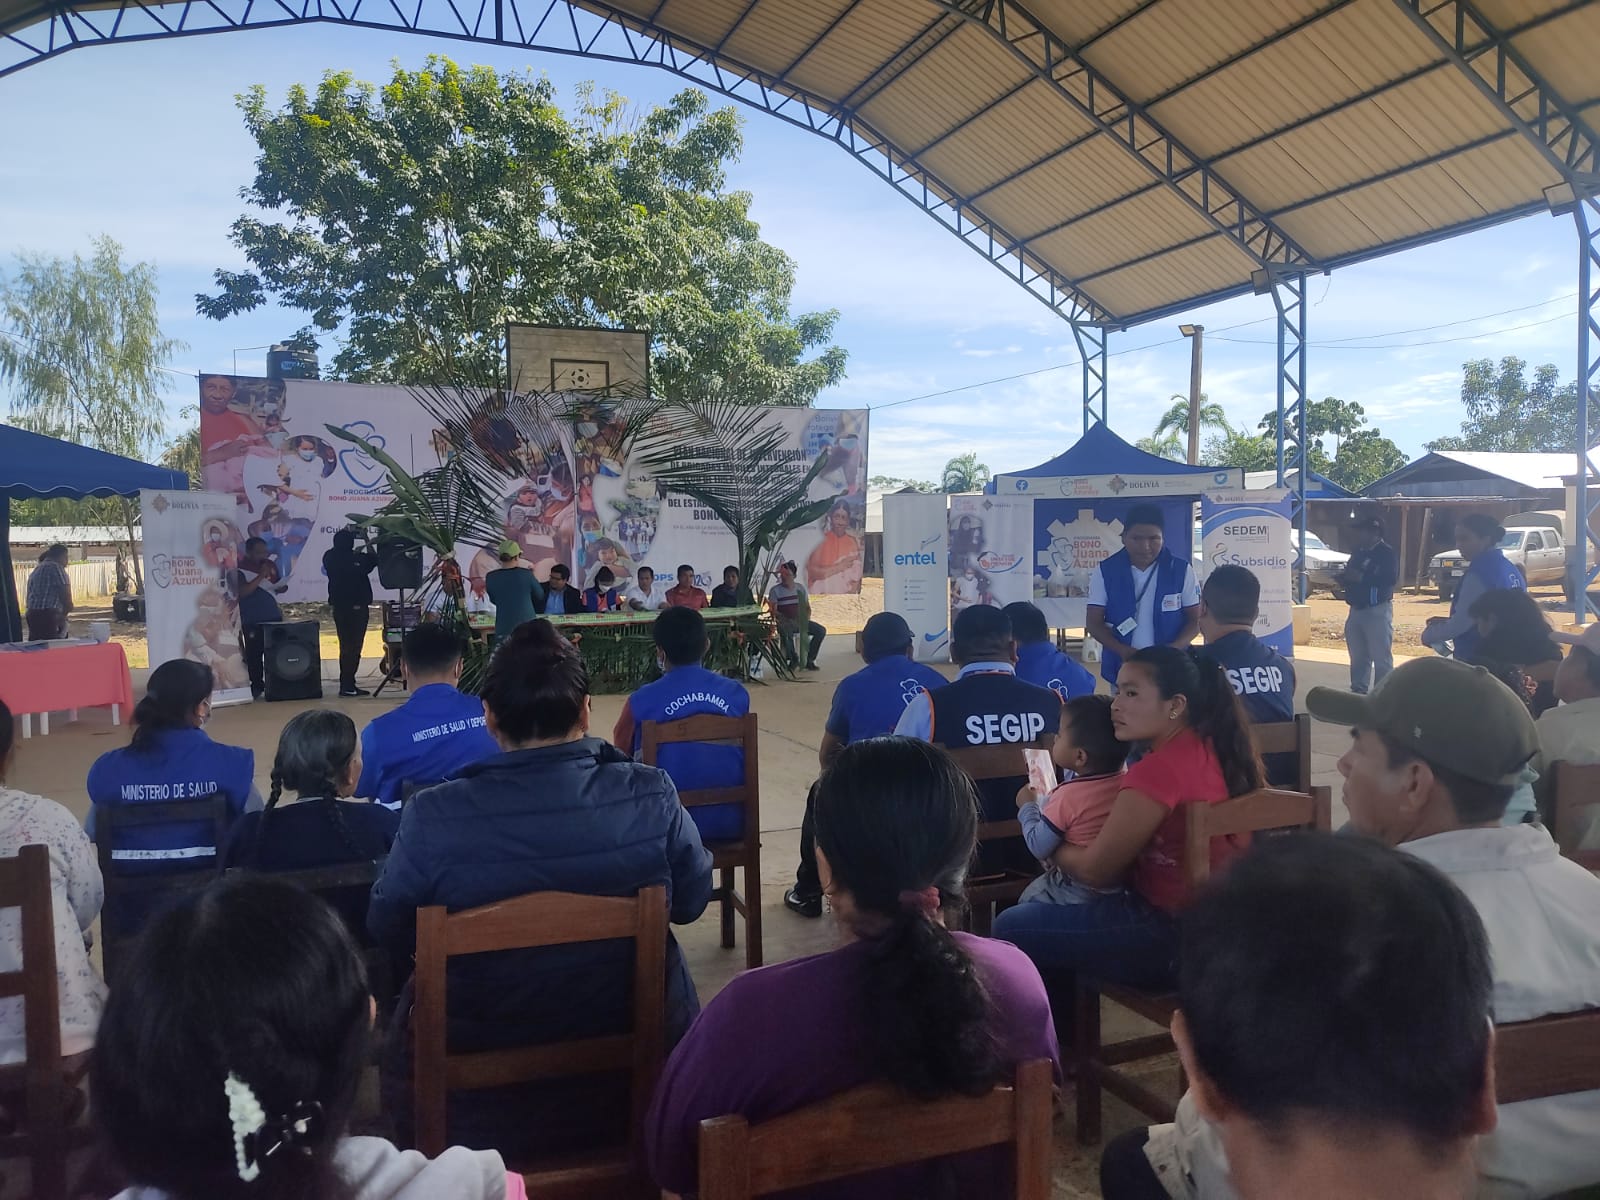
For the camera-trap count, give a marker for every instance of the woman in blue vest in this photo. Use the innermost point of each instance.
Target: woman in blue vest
(1478, 541)
(1143, 595)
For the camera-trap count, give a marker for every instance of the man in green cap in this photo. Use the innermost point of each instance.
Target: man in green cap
(516, 595)
(1435, 753)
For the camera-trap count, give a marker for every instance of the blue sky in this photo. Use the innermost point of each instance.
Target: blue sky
(143, 142)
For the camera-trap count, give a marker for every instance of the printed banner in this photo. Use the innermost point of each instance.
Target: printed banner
(989, 540)
(191, 544)
(1253, 529)
(1122, 487)
(1072, 537)
(583, 503)
(915, 582)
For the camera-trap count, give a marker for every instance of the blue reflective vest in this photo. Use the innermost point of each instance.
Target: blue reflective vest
(1122, 601)
(425, 741)
(1043, 664)
(693, 692)
(1493, 570)
(184, 764)
(1263, 680)
(868, 703)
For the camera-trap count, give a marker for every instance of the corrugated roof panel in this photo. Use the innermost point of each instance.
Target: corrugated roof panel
(1507, 14)
(1164, 46)
(1198, 270)
(1076, 21)
(1091, 175)
(863, 42)
(1564, 53)
(1013, 134)
(774, 35)
(702, 21)
(961, 77)
(1345, 54)
(1427, 198)
(1151, 221)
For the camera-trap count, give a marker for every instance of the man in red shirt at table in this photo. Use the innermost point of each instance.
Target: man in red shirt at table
(685, 594)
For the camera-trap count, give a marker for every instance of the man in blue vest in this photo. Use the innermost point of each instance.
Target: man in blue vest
(1143, 595)
(687, 689)
(1368, 580)
(1038, 660)
(866, 704)
(1262, 678)
(435, 733)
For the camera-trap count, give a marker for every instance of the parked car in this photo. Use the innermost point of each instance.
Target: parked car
(1323, 565)
(1537, 551)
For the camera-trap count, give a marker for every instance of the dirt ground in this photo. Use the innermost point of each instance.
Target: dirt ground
(1411, 613)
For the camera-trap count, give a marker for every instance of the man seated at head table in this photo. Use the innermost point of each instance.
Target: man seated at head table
(686, 593)
(1435, 753)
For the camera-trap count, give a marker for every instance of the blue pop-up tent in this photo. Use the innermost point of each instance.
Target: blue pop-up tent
(33, 466)
(1101, 455)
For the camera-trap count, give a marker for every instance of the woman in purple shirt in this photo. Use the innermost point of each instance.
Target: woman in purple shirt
(903, 1000)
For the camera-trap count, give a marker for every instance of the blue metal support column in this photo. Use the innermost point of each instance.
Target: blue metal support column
(1586, 215)
(1092, 351)
(1289, 298)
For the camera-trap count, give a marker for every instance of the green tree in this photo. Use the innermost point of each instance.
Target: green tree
(964, 473)
(1360, 454)
(1167, 445)
(1506, 412)
(894, 483)
(84, 355)
(1176, 419)
(423, 216)
(183, 453)
(1236, 448)
(1365, 455)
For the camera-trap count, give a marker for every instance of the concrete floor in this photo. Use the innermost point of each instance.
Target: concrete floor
(791, 719)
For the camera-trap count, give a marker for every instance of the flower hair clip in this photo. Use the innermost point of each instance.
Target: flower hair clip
(256, 1137)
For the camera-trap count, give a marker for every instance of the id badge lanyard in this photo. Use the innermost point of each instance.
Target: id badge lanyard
(1132, 623)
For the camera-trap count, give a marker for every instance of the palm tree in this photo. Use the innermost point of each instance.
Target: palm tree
(1167, 445)
(1176, 419)
(964, 473)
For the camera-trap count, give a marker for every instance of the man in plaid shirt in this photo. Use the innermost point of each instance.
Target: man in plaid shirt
(49, 595)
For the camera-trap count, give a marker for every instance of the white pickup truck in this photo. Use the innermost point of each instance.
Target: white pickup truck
(1533, 543)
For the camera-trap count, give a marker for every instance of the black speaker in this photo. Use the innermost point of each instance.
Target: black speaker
(293, 660)
(400, 564)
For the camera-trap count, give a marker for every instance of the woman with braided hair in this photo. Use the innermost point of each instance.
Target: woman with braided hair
(319, 759)
(230, 1055)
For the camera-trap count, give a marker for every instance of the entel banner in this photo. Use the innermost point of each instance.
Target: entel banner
(1253, 529)
(915, 583)
(1120, 487)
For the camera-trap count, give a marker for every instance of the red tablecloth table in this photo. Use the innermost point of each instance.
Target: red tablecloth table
(64, 679)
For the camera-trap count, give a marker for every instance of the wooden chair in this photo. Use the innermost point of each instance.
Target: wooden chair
(726, 856)
(124, 892)
(1288, 737)
(876, 1126)
(43, 1084)
(527, 922)
(987, 894)
(1549, 1056)
(1254, 812)
(1577, 789)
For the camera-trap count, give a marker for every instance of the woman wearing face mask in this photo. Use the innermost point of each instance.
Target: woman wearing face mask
(557, 810)
(1179, 705)
(1477, 538)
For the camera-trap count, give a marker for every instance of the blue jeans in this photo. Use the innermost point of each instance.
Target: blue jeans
(1118, 938)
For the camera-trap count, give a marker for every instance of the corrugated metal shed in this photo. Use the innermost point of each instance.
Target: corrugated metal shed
(1129, 159)
(1475, 473)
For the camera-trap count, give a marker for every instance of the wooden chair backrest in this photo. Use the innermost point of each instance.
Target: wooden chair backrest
(525, 923)
(1577, 788)
(711, 729)
(1287, 737)
(997, 761)
(1551, 1056)
(110, 820)
(325, 879)
(1253, 812)
(876, 1126)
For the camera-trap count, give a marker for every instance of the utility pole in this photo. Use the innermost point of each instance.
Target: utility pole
(1197, 336)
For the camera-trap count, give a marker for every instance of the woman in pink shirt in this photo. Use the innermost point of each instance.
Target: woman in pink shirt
(1179, 706)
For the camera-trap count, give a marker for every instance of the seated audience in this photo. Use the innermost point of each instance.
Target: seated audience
(688, 689)
(557, 810)
(904, 1001)
(1571, 733)
(685, 593)
(1334, 1024)
(1434, 756)
(170, 758)
(1038, 660)
(319, 760)
(1516, 644)
(561, 598)
(602, 597)
(1177, 705)
(75, 896)
(1230, 601)
(1075, 811)
(643, 595)
(1478, 538)
(231, 1056)
(726, 593)
(516, 595)
(791, 608)
(866, 704)
(435, 733)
